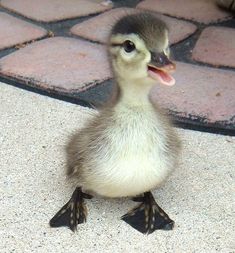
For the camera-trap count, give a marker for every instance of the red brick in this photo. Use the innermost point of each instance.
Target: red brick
(200, 91)
(216, 46)
(203, 11)
(14, 31)
(61, 64)
(179, 30)
(54, 10)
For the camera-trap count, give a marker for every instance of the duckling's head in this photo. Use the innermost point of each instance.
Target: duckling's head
(139, 49)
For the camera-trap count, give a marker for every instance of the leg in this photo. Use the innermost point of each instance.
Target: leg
(73, 212)
(148, 216)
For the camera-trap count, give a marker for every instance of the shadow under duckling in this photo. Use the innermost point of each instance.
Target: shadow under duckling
(129, 148)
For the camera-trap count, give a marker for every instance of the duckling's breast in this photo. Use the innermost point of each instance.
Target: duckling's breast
(135, 157)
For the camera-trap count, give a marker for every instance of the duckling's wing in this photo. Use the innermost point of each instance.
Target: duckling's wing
(74, 153)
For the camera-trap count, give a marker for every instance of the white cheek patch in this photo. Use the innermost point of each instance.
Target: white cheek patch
(132, 64)
(139, 44)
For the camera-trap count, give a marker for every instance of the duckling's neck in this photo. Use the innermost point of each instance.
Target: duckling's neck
(134, 92)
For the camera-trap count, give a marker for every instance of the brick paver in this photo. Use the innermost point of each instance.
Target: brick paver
(200, 92)
(179, 30)
(54, 10)
(203, 11)
(61, 64)
(216, 46)
(67, 66)
(14, 31)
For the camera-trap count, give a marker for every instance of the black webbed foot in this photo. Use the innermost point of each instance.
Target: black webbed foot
(148, 216)
(74, 212)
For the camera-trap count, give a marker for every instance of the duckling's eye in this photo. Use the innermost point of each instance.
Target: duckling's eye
(128, 46)
(160, 59)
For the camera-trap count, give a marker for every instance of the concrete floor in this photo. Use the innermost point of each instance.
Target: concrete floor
(199, 196)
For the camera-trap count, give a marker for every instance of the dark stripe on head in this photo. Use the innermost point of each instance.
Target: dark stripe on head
(146, 25)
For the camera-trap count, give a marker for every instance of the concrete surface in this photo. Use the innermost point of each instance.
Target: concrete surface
(199, 196)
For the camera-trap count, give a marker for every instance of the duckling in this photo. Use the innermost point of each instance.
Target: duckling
(129, 148)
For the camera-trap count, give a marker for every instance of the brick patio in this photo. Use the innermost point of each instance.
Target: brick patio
(179, 29)
(196, 10)
(202, 36)
(16, 31)
(216, 46)
(59, 64)
(53, 10)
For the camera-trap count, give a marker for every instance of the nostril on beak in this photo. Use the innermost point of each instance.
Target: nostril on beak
(161, 60)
